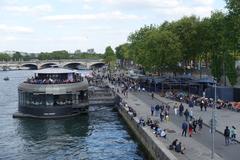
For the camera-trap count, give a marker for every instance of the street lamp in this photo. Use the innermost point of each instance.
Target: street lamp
(213, 120)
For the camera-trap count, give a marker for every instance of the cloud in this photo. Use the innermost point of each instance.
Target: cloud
(116, 15)
(204, 2)
(38, 9)
(174, 8)
(178, 12)
(144, 3)
(70, 38)
(15, 29)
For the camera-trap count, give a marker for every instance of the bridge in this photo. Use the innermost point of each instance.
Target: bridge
(63, 63)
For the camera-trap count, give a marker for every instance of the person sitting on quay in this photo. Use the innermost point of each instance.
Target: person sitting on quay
(149, 122)
(141, 122)
(163, 133)
(153, 125)
(174, 144)
(179, 148)
(156, 130)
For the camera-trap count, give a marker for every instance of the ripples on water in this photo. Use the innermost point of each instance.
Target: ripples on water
(99, 135)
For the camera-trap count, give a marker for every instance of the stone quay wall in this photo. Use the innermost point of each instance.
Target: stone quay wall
(157, 150)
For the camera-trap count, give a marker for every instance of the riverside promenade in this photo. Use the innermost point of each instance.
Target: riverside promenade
(194, 149)
(224, 117)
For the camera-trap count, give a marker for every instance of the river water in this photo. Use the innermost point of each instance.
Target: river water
(99, 135)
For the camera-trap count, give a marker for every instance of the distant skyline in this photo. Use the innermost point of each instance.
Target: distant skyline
(47, 25)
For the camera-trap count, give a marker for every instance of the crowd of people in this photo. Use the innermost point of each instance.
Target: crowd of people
(230, 135)
(190, 125)
(202, 102)
(53, 80)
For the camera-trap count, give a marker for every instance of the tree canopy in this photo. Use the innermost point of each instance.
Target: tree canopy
(183, 44)
(109, 56)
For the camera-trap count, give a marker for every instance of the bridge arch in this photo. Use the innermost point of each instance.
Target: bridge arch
(47, 65)
(74, 65)
(97, 65)
(30, 66)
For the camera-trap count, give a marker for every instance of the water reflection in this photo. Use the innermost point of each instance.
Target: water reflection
(39, 129)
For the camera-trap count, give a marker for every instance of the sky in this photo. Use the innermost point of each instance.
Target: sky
(47, 25)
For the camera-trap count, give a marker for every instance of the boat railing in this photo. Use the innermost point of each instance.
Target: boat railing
(52, 81)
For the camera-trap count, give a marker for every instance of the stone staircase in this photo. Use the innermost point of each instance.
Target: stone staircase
(101, 96)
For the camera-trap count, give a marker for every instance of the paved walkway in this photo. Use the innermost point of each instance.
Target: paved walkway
(230, 152)
(194, 149)
(224, 117)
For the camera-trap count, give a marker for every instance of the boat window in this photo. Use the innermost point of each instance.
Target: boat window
(49, 100)
(64, 99)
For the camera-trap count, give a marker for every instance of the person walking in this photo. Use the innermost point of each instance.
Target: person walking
(162, 108)
(194, 125)
(168, 107)
(157, 108)
(184, 128)
(175, 109)
(181, 109)
(161, 116)
(190, 128)
(191, 114)
(205, 105)
(200, 123)
(166, 115)
(152, 110)
(190, 104)
(152, 95)
(227, 135)
(201, 104)
(233, 134)
(186, 114)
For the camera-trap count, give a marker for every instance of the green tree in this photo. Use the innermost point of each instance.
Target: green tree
(137, 40)
(186, 30)
(62, 54)
(43, 56)
(233, 24)
(17, 56)
(109, 56)
(5, 57)
(162, 51)
(122, 53)
(231, 71)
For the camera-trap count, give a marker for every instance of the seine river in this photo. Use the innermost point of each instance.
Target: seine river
(99, 135)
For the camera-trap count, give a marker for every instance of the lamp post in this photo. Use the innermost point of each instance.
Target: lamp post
(213, 121)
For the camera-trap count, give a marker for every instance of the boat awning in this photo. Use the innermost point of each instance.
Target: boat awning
(54, 71)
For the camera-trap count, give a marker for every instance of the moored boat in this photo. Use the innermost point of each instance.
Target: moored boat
(53, 93)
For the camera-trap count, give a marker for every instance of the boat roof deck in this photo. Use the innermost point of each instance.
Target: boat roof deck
(54, 71)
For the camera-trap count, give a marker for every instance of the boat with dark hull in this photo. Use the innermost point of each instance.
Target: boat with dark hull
(6, 78)
(53, 93)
